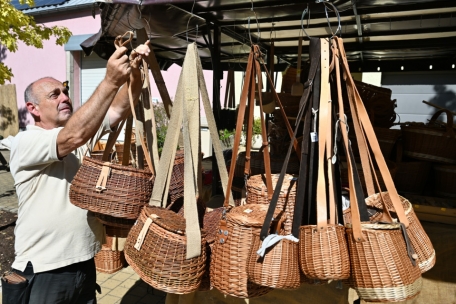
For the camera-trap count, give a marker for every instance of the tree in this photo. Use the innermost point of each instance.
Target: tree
(15, 25)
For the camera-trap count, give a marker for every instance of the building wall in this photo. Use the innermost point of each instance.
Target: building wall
(29, 63)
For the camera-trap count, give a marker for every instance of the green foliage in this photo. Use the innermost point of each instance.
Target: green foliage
(15, 25)
(161, 122)
(257, 126)
(225, 134)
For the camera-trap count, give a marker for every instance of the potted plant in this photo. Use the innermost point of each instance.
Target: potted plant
(257, 139)
(227, 138)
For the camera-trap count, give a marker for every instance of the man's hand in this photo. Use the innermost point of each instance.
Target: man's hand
(118, 68)
(137, 54)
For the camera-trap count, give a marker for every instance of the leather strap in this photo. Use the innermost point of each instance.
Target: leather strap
(323, 111)
(239, 124)
(305, 107)
(371, 138)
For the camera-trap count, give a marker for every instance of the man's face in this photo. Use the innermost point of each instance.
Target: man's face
(54, 106)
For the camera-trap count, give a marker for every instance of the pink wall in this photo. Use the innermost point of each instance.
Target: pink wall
(171, 78)
(29, 63)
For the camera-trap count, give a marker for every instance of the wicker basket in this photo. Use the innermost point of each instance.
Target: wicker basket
(114, 221)
(381, 270)
(378, 103)
(324, 254)
(279, 268)
(431, 142)
(257, 193)
(108, 260)
(444, 180)
(418, 237)
(229, 259)
(127, 189)
(161, 261)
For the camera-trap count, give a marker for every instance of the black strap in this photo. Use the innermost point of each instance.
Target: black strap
(304, 109)
(311, 216)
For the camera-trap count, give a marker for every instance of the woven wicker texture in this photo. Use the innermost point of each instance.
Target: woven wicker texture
(428, 142)
(412, 177)
(378, 103)
(323, 255)
(257, 194)
(257, 164)
(176, 185)
(279, 267)
(381, 270)
(127, 189)
(115, 232)
(161, 262)
(109, 261)
(418, 237)
(444, 180)
(229, 259)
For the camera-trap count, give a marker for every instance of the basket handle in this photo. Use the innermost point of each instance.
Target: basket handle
(253, 71)
(304, 110)
(118, 43)
(449, 124)
(370, 136)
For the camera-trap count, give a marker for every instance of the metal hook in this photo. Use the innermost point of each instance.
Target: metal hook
(302, 20)
(327, 18)
(258, 30)
(272, 30)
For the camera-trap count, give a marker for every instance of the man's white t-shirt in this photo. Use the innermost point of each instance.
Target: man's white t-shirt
(50, 231)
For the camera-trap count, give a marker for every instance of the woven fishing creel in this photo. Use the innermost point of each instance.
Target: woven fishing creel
(324, 254)
(381, 268)
(444, 180)
(418, 237)
(257, 193)
(108, 260)
(432, 141)
(279, 267)
(231, 250)
(161, 260)
(127, 189)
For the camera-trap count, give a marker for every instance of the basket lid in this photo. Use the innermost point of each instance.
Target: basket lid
(166, 219)
(251, 215)
(257, 184)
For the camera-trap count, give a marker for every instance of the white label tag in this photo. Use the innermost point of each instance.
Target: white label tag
(313, 136)
(248, 210)
(334, 159)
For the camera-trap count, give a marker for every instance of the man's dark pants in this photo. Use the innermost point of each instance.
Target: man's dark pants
(75, 283)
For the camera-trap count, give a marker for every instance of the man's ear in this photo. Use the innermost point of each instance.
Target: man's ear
(33, 109)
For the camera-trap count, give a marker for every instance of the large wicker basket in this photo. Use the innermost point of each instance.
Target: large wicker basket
(127, 189)
(431, 142)
(161, 260)
(229, 259)
(418, 237)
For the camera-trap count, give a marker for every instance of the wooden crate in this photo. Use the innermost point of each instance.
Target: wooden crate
(433, 209)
